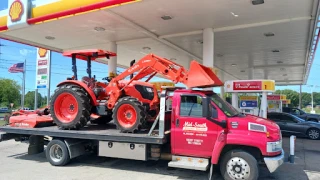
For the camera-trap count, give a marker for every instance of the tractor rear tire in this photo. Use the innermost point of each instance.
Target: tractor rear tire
(70, 107)
(129, 114)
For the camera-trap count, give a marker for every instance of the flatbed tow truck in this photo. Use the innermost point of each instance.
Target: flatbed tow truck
(194, 130)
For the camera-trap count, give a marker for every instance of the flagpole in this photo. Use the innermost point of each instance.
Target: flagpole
(23, 84)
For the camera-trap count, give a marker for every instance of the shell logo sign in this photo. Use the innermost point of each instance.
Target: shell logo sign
(42, 52)
(16, 11)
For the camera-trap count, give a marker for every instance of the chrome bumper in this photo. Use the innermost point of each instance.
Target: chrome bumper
(274, 162)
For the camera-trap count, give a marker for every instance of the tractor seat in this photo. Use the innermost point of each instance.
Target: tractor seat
(89, 81)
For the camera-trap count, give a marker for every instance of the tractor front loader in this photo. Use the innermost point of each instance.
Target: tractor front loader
(129, 102)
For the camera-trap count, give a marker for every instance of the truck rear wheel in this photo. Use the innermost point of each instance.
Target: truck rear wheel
(129, 114)
(70, 107)
(57, 153)
(238, 164)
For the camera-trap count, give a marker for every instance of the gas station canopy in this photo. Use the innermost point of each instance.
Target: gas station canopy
(275, 39)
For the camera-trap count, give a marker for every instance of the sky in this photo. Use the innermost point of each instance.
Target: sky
(12, 53)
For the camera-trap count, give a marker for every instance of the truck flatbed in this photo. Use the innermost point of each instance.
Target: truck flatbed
(106, 132)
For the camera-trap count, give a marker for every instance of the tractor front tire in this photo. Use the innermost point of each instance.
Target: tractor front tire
(70, 107)
(129, 114)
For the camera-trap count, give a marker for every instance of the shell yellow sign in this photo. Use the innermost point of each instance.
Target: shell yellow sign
(16, 10)
(158, 85)
(248, 98)
(42, 52)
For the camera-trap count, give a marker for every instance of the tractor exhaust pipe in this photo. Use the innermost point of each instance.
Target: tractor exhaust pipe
(131, 64)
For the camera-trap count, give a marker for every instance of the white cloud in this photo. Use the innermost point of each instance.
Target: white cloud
(25, 52)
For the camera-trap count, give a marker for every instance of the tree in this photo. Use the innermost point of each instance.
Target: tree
(316, 98)
(29, 100)
(305, 99)
(9, 92)
(43, 101)
(292, 95)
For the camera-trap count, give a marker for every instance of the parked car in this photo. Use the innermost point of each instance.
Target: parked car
(4, 109)
(293, 125)
(300, 113)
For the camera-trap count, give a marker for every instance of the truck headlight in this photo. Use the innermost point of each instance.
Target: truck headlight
(274, 146)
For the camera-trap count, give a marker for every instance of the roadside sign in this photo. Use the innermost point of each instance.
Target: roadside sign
(43, 68)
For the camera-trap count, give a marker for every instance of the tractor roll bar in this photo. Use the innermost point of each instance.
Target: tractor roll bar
(74, 66)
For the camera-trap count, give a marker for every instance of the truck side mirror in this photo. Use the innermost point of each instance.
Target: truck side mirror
(214, 113)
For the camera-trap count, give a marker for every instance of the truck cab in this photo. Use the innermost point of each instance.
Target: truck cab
(203, 125)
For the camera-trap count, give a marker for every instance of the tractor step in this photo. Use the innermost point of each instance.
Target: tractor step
(193, 163)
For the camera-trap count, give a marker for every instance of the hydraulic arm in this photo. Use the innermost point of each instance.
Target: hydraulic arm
(198, 75)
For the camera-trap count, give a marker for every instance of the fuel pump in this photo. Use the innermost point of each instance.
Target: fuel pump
(275, 102)
(247, 105)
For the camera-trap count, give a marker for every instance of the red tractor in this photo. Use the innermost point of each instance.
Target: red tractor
(130, 103)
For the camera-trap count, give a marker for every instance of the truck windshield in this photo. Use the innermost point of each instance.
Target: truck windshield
(227, 108)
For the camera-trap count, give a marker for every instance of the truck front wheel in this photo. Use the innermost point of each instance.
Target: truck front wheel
(238, 164)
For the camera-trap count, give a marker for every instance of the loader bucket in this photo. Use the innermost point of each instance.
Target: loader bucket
(200, 76)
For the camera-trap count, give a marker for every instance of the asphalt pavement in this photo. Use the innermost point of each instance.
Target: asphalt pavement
(17, 165)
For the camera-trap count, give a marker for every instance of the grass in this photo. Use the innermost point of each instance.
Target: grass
(2, 123)
(307, 110)
(2, 115)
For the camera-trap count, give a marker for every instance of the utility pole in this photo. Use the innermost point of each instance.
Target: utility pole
(300, 97)
(23, 84)
(312, 87)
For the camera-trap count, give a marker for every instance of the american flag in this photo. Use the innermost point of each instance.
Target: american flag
(16, 68)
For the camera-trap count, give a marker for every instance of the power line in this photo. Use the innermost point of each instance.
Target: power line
(6, 45)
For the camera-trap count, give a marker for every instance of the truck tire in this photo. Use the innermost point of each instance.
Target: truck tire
(129, 114)
(238, 164)
(102, 120)
(70, 107)
(57, 153)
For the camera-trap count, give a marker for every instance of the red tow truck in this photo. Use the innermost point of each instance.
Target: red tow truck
(194, 130)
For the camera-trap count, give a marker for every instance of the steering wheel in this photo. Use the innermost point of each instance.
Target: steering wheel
(107, 79)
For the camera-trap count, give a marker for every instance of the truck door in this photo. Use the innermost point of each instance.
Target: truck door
(192, 133)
